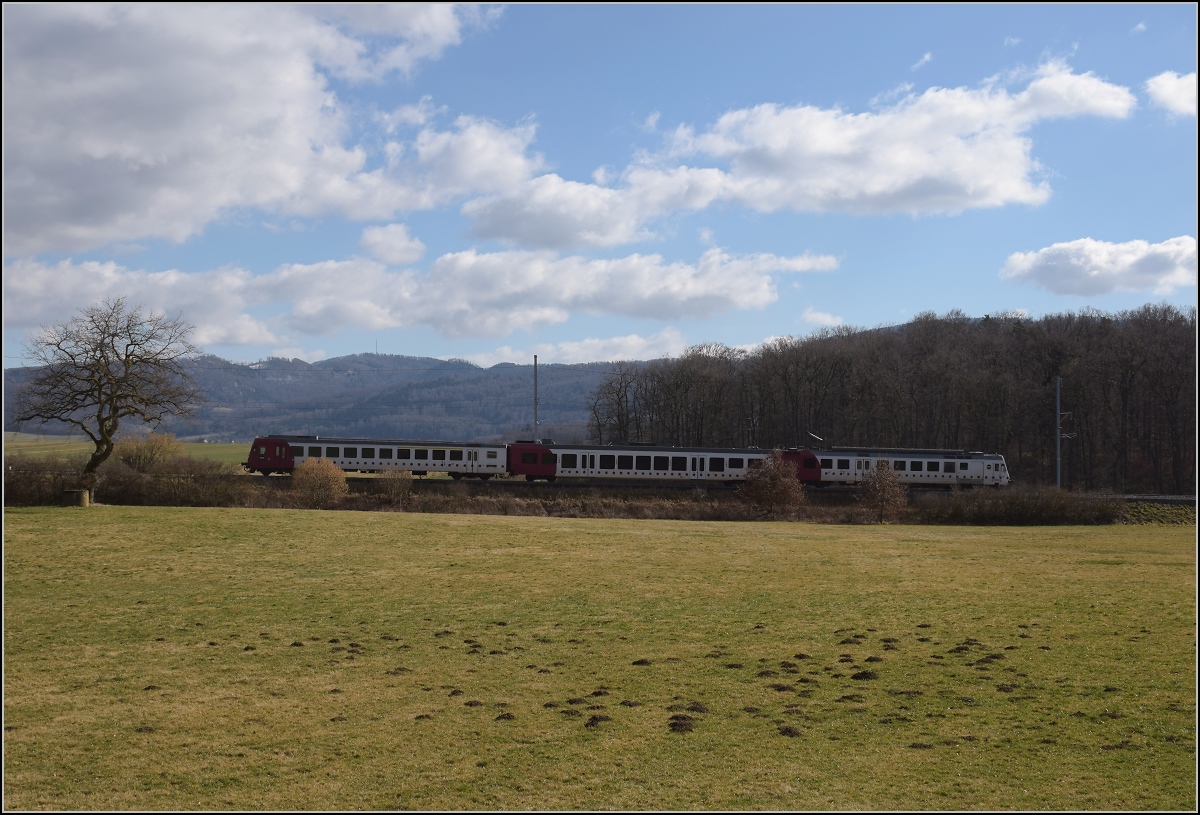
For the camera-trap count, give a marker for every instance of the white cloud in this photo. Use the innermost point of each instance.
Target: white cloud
(945, 150)
(392, 244)
(137, 121)
(811, 315)
(1174, 92)
(1089, 267)
(1138, 29)
(1010, 41)
(942, 151)
(215, 302)
(462, 294)
(665, 343)
(926, 58)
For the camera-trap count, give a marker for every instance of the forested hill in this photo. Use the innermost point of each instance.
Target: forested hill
(376, 395)
(1128, 392)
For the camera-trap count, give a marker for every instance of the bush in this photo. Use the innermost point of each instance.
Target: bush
(882, 491)
(395, 486)
(180, 482)
(318, 483)
(147, 452)
(1020, 506)
(772, 487)
(30, 482)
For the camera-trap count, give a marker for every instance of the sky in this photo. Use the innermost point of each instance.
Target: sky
(590, 182)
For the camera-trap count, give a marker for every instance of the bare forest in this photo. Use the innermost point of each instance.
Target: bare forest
(1128, 389)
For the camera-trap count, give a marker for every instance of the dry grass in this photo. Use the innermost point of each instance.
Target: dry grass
(217, 659)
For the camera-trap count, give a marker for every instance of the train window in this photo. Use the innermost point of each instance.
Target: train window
(403, 452)
(491, 453)
(827, 464)
(439, 455)
(752, 463)
(350, 452)
(916, 466)
(662, 463)
(933, 466)
(570, 461)
(385, 452)
(624, 462)
(962, 465)
(843, 464)
(716, 465)
(608, 462)
(422, 455)
(332, 452)
(314, 452)
(899, 466)
(737, 463)
(643, 462)
(368, 452)
(679, 464)
(297, 451)
(810, 464)
(456, 455)
(549, 458)
(529, 458)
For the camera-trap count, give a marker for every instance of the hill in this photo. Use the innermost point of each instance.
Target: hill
(375, 395)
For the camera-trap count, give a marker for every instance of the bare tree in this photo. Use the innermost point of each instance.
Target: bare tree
(883, 490)
(108, 363)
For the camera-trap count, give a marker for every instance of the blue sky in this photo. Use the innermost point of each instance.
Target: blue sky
(591, 182)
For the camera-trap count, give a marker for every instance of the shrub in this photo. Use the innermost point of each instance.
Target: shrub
(773, 488)
(317, 483)
(395, 486)
(882, 491)
(34, 481)
(179, 482)
(1020, 506)
(147, 452)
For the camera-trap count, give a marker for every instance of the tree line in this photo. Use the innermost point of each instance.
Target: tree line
(1128, 389)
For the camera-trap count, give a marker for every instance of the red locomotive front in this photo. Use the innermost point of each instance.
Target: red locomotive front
(269, 455)
(532, 460)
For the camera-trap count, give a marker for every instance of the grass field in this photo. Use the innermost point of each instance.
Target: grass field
(215, 659)
(32, 444)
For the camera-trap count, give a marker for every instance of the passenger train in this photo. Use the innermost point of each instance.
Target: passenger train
(547, 461)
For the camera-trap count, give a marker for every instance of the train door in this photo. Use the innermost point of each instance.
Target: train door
(587, 463)
(472, 462)
(697, 470)
(862, 466)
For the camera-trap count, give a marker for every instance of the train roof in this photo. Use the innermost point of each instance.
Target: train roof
(342, 440)
(907, 451)
(656, 448)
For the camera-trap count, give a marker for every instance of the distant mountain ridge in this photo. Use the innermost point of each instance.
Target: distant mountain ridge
(374, 396)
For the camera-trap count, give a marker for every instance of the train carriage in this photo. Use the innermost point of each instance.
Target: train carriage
(547, 461)
(282, 454)
(915, 467)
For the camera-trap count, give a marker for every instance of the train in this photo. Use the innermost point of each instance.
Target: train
(545, 460)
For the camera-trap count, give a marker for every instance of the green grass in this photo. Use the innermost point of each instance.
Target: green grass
(215, 659)
(32, 444)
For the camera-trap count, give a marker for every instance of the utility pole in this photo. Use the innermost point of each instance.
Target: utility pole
(536, 436)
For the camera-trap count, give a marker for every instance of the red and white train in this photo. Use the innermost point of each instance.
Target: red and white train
(548, 461)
